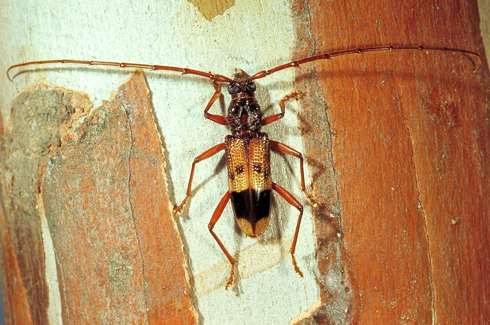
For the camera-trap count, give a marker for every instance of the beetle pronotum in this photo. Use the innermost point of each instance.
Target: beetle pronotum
(247, 148)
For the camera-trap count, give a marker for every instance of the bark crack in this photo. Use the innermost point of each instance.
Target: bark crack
(420, 207)
(53, 279)
(130, 190)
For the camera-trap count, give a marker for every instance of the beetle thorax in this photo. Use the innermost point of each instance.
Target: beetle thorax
(244, 114)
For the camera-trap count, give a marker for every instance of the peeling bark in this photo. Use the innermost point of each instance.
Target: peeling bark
(98, 175)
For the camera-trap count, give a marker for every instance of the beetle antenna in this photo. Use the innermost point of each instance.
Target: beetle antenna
(332, 54)
(212, 76)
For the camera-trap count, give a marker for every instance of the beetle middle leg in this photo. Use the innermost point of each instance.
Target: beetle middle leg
(294, 202)
(216, 215)
(205, 155)
(281, 147)
(284, 148)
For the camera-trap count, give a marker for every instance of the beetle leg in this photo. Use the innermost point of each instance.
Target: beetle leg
(205, 155)
(290, 151)
(294, 202)
(269, 119)
(216, 215)
(215, 118)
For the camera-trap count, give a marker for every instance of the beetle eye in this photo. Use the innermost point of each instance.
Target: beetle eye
(233, 89)
(250, 86)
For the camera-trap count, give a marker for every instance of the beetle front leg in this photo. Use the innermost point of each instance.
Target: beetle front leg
(281, 147)
(216, 215)
(215, 118)
(205, 155)
(270, 119)
(295, 203)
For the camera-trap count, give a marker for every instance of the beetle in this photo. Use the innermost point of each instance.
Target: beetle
(247, 149)
(247, 152)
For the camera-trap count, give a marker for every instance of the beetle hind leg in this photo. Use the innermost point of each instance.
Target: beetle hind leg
(216, 215)
(294, 202)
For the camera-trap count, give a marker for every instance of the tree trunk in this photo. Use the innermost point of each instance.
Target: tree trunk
(396, 144)
(399, 145)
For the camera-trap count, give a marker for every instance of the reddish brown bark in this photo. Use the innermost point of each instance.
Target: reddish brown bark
(102, 189)
(398, 146)
(25, 147)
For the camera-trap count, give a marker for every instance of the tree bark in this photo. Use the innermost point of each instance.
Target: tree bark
(96, 178)
(398, 145)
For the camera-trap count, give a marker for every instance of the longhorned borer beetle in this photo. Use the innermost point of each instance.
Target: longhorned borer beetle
(247, 148)
(248, 161)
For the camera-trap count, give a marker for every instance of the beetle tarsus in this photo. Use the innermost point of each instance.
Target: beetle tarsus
(313, 202)
(296, 268)
(230, 281)
(178, 210)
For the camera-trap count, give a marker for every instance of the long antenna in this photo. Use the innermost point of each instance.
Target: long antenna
(209, 75)
(330, 55)
(260, 74)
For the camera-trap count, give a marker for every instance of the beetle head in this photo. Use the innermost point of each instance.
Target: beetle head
(241, 86)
